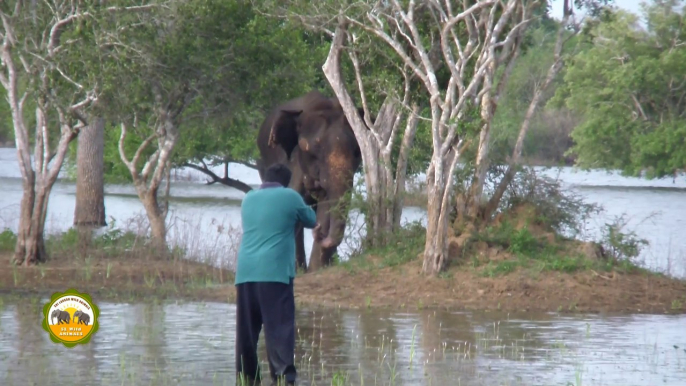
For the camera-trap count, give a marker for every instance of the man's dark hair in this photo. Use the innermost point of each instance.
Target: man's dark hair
(278, 173)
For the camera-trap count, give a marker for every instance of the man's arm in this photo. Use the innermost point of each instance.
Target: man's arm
(305, 214)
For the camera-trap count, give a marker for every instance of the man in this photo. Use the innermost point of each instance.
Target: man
(264, 276)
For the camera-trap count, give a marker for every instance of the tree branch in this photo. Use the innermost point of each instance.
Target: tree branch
(230, 182)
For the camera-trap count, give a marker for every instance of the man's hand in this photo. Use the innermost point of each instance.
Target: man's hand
(315, 232)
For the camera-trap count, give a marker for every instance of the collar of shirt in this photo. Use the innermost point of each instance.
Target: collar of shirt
(270, 185)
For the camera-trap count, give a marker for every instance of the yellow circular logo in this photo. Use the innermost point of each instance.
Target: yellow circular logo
(70, 318)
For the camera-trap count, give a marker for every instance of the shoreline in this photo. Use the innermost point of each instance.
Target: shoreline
(362, 284)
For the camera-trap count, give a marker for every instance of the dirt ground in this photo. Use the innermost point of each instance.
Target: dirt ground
(398, 287)
(405, 286)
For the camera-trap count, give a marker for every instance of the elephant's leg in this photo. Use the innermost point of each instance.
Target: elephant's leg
(327, 256)
(300, 257)
(315, 256)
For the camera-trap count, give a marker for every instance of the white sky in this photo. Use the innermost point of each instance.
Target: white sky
(628, 5)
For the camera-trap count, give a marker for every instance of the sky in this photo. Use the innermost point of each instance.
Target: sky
(633, 6)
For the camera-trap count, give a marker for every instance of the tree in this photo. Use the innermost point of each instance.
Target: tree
(384, 181)
(365, 75)
(273, 62)
(630, 89)
(197, 76)
(448, 41)
(563, 36)
(35, 44)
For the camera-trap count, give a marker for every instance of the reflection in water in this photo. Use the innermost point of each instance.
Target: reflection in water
(193, 343)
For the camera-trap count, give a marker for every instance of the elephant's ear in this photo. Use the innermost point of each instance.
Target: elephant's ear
(284, 130)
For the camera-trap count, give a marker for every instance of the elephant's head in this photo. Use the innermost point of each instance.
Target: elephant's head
(55, 314)
(320, 138)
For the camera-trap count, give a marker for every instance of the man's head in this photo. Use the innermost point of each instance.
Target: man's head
(278, 173)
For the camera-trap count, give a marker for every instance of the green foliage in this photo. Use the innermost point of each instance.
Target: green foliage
(268, 63)
(547, 138)
(8, 240)
(620, 245)
(557, 208)
(630, 89)
(528, 250)
(219, 65)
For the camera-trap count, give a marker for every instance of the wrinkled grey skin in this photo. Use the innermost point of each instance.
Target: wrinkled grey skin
(84, 318)
(62, 316)
(312, 136)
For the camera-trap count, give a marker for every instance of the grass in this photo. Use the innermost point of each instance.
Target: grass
(525, 250)
(117, 265)
(402, 246)
(537, 253)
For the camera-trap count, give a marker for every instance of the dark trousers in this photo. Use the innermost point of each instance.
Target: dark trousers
(270, 304)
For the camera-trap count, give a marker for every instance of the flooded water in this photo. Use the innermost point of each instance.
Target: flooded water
(193, 343)
(205, 218)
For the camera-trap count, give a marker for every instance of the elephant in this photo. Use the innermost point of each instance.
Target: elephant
(84, 318)
(312, 135)
(62, 316)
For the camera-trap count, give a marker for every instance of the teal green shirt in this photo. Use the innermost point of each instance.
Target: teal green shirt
(267, 250)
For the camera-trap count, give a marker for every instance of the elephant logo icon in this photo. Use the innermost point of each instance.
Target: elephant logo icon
(70, 318)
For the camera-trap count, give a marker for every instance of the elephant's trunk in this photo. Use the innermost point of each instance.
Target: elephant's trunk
(335, 233)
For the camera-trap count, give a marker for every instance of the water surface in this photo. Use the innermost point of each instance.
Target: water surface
(193, 344)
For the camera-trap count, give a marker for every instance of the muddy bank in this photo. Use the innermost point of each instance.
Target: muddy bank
(361, 285)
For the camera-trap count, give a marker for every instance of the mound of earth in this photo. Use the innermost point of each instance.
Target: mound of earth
(464, 289)
(548, 273)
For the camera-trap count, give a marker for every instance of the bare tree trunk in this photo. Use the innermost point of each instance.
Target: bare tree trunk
(401, 167)
(554, 69)
(384, 189)
(369, 149)
(149, 179)
(156, 217)
(440, 191)
(90, 184)
(435, 248)
(30, 247)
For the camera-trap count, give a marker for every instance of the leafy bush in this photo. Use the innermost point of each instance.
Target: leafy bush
(7, 240)
(561, 209)
(620, 245)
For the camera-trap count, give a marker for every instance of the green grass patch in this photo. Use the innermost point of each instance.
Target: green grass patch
(7, 240)
(537, 252)
(401, 247)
